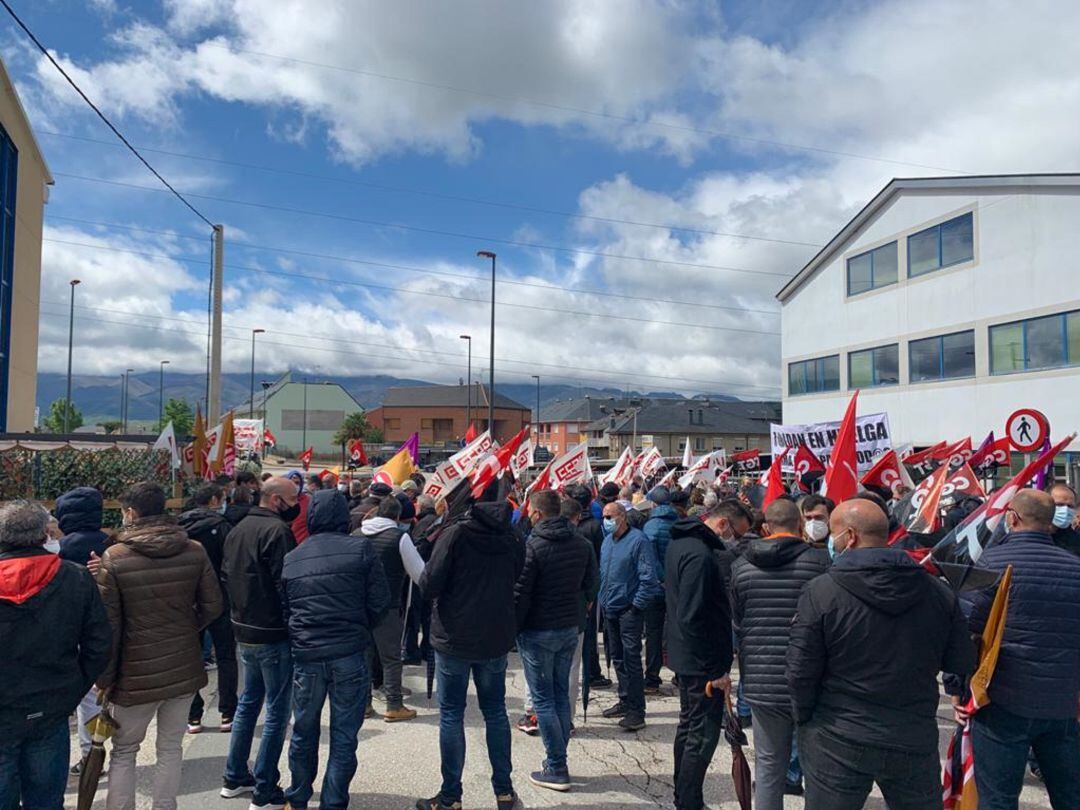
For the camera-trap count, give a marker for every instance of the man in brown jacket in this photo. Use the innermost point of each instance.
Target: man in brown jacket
(160, 591)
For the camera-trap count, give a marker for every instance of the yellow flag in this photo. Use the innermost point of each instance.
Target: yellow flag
(990, 645)
(399, 467)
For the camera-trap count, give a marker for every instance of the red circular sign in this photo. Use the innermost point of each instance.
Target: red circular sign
(1027, 429)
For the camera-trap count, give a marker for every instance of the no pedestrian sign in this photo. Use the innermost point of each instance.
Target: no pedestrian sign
(1027, 429)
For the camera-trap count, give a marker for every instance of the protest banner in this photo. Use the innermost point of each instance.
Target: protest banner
(872, 438)
(248, 435)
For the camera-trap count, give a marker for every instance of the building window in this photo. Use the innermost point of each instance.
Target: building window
(947, 357)
(874, 367)
(556, 428)
(871, 270)
(392, 424)
(1037, 343)
(442, 430)
(699, 443)
(316, 419)
(942, 245)
(9, 170)
(814, 376)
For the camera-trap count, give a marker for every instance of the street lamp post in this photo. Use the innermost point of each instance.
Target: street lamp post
(468, 384)
(71, 344)
(303, 432)
(161, 395)
(491, 358)
(127, 395)
(251, 402)
(537, 378)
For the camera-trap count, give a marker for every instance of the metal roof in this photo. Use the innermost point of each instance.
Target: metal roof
(445, 396)
(1004, 183)
(712, 419)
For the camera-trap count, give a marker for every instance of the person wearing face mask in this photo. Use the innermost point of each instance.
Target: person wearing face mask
(251, 570)
(1034, 691)
(1065, 534)
(867, 643)
(207, 525)
(816, 511)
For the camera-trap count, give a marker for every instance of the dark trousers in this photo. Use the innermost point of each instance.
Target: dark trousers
(410, 649)
(654, 642)
(624, 638)
(701, 721)
(1001, 740)
(386, 649)
(221, 636)
(591, 650)
(840, 775)
(34, 766)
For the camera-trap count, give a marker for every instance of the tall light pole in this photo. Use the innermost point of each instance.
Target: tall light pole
(537, 378)
(127, 394)
(491, 358)
(303, 432)
(71, 344)
(251, 402)
(468, 384)
(161, 396)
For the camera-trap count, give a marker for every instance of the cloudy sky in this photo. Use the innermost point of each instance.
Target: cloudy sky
(649, 173)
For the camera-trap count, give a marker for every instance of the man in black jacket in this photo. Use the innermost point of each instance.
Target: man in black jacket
(699, 650)
(592, 528)
(207, 526)
(868, 642)
(560, 570)
(334, 592)
(1064, 530)
(251, 573)
(57, 640)
(470, 577)
(766, 583)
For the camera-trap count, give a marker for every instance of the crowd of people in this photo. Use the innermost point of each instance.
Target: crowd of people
(838, 641)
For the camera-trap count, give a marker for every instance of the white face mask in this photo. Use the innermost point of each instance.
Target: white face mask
(52, 545)
(817, 530)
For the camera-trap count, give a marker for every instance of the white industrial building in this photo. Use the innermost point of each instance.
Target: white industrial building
(949, 303)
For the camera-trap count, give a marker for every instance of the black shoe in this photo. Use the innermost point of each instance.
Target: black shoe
(793, 788)
(436, 803)
(506, 801)
(275, 801)
(230, 790)
(599, 682)
(632, 722)
(618, 710)
(652, 690)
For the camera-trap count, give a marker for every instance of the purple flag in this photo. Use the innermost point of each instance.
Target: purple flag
(1041, 476)
(412, 444)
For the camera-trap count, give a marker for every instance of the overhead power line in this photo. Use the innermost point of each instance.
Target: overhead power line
(102, 115)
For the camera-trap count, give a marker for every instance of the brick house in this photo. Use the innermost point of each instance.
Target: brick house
(438, 414)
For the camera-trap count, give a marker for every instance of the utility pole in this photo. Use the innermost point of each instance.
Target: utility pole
(127, 396)
(161, 396)
(251, 402)
(303, 440)
(213, 397)
(71, 344)
(468, 384)
(491, 358)
(537, 417)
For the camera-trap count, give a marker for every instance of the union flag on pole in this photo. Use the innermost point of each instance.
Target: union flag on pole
(806, 463)
(775, 487)
(841, 476)
(572, 467)
(305, 457)
(470, 433)
(887, 473)
(652, 461)
(622, 471)
(269, 439)
(523, 458)
(357, 454)
(496, 464)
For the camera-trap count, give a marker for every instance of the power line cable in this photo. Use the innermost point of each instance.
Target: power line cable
(102, 115)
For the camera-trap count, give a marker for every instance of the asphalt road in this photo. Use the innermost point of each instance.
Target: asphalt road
(399, 763)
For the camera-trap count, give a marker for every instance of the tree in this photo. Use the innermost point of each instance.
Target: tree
(356, 426)
(111, 425)
(179, 412)
(54, 422)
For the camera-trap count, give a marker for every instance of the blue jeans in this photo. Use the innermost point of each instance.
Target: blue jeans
(547, 656)
(1000, 741)
(267, 679)
(34, 764)
(453, 683)
(348, 684)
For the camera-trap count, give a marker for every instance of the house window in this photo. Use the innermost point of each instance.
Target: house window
(814, 376)
(699, 443)
(1047, 342)
(871, 270)
(392, 424)
(9, 166)
(874, 367)
(556, 429)
(442, 430)
(947, 357)
(942, 245)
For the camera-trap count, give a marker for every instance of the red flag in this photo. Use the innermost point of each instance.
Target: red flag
(470, 434)
(805, 463)
(992, 453)
(927, 518)
(887, 472)
(955, 454)
(924, 455)
(775, 487)
(357, 454)
(305, 457)
(841, 474)
(269, 438)
(747, 460)
(494, 465)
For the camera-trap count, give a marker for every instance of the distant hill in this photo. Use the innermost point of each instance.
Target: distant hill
(98, 397)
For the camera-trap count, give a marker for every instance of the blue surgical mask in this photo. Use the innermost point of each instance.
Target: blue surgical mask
(1064, 516)
(832, 547)
(609, 525)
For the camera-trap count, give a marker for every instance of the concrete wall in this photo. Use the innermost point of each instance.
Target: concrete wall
(327, 407)
(1024, 265)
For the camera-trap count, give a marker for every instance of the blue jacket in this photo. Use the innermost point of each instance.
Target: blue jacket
(1038, 671)
(628, 575)
(78, 512)
(658, 529)
(333, 586)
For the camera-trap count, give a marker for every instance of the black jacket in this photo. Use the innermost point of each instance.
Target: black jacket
(425, 519)
(698, 611)
(333, 585)
(766, 583)
(55, 636)
(235, 512)
(866, 648)
(209, 529)
(251, 574)
(1068, 539)
(559, 577)
(471, 577)
(79, 512)
(593, 531)
(1038, 670)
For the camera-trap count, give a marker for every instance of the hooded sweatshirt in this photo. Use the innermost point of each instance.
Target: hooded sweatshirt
(866, 648)
(395, 550)
(78, 513)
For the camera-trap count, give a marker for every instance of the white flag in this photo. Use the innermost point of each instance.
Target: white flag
(652, 462)
(623, 468)
(687, 456)
(167, 441)
(570, 468)
(704, 469)
(522, 459)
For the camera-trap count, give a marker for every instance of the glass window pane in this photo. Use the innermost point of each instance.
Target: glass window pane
(859, 279)
(861, 369)
(959, 354)
(887, 365)
(925, 359)
(1045, 344)
(1073, 319)
(922, 249)
(1006, 348)
(831, 373)
(797, 378)
(885, 265)
(957, 241)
